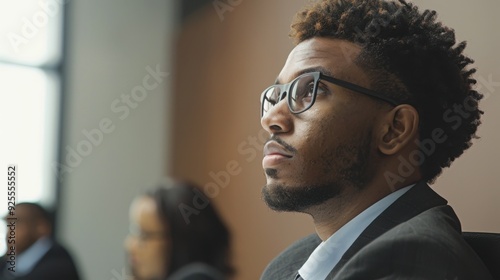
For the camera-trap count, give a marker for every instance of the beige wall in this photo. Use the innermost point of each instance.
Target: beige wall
(221, 68)
(110, 45)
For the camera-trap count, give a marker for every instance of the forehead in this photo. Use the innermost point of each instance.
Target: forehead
(336, 57)
(143, 206)
(144, 212)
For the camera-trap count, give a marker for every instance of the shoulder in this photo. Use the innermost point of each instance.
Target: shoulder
(428, 246)
(58, 250)
(286, 264)
(59, 253)
(57, 263)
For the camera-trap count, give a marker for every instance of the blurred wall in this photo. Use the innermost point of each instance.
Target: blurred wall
(117, 101)
(226, 57)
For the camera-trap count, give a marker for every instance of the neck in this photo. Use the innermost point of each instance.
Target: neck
(330, 216)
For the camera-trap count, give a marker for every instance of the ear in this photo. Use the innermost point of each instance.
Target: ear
(399, 128)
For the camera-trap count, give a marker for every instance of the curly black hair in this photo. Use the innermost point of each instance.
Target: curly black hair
(412, 58)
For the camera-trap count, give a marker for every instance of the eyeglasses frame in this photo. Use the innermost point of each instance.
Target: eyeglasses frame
(285, 88)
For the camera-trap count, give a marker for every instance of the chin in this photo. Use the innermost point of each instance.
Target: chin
(280, 197)
(297, 198)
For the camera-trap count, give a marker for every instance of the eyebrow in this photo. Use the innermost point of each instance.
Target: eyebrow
(320, 69)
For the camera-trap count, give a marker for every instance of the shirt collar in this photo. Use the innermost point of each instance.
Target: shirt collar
(27, 260)
(324, 258)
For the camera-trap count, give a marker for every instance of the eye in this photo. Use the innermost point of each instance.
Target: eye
(310, 90)
(302, 92)
(322, 89)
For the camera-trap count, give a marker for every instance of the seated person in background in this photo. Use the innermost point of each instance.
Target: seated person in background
(38, 255)
(176, 233)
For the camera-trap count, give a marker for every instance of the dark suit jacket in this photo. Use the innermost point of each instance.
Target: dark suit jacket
(56, 264)
(417, 237)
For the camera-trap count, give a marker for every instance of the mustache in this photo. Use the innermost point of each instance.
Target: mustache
(280, 141)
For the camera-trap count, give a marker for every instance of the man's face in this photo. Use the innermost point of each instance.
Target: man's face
(327, 150)
(26, 229)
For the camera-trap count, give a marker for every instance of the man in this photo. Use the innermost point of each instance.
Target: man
(374, 100)
(38, 256)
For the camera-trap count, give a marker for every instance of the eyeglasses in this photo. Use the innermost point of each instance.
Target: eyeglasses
(302, 91)
(143, 235)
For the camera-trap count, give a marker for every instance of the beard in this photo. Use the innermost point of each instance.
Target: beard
(349, 163)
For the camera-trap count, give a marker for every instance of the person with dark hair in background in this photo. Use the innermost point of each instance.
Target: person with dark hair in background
(372, 103)
(177, 234)
(38, 255)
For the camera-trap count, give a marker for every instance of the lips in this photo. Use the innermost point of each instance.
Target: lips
(274, 154)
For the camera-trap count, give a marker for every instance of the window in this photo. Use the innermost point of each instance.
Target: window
(30, 87)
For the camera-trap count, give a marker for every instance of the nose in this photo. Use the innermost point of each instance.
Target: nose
(278, 119)
(130, 243)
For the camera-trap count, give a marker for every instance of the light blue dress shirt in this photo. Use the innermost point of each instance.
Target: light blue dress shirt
(324, 258)
(27, 260)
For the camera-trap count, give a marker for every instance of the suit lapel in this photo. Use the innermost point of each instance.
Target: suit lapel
(417, 200)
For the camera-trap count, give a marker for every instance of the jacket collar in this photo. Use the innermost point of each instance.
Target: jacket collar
(417, 200)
